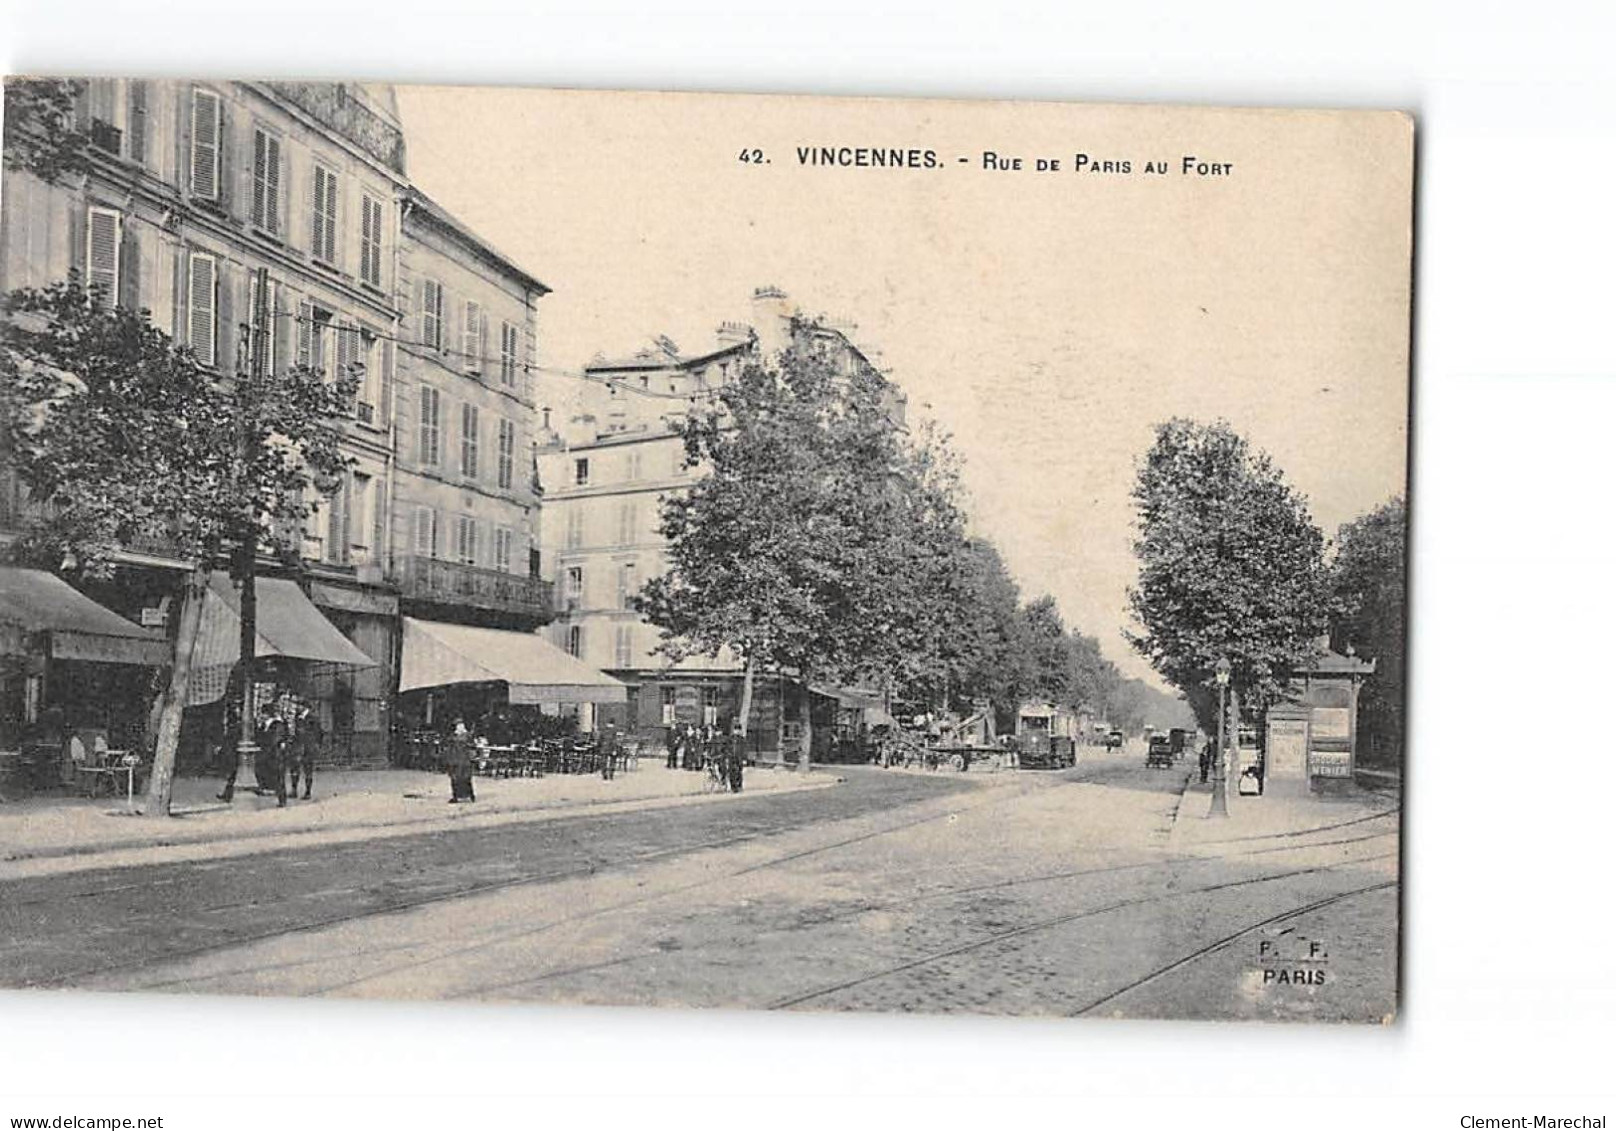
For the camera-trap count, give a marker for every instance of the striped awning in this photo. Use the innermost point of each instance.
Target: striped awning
(437, 655)
(289, 627)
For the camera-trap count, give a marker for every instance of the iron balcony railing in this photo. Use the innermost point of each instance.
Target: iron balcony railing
(455, 583)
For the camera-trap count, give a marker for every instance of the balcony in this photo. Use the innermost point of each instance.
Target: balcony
(437, 582)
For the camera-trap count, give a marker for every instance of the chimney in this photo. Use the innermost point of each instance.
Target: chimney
(771, 319)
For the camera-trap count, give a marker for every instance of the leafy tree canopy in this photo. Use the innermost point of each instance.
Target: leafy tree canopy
(1230, 565)
(117, 435)
(1369, 577)
(42, 134)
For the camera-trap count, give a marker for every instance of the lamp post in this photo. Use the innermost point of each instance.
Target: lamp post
(247, 562)
(1220, 784)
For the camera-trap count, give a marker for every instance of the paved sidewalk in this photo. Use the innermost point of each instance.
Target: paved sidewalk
(1276, 814)
(80, 833)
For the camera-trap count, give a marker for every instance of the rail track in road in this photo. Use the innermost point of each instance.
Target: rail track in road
(1056, 921)
(14, 910)
(1290, 843)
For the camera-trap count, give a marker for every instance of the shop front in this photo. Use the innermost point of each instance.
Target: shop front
(505, 686)
(298, 651)
(69, 667)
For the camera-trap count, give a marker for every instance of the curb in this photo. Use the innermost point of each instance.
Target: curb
(75, 858)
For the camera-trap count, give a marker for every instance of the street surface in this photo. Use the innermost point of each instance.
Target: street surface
(1102, 890)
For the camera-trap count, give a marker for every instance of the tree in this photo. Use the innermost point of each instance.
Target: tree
(42, 132)
(818, 542)
(118, 436)
(1230, 564)
(1369, 580)
(1047, 649)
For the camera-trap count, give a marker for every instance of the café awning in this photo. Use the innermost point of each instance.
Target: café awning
(33, 601)
(437, 654)
(852, 698)
(289, 628)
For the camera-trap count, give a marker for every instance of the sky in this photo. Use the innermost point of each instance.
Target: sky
(1047, 320)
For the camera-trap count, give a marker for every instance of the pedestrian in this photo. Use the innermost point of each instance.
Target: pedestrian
(675, 739)
(1206, 761)
(457, 760)
(608, 752)
(692, 748)
(305, 746)
(737, 758)
(274, 747)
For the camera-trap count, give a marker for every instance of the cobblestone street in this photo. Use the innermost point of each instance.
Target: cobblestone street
(1009, 893)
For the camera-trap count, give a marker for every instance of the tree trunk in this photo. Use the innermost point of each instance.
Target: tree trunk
(805, 759)
(746, 694)
(160, 789)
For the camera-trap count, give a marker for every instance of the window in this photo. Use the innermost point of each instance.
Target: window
(628, 522)
(574, 592)
(105, 233)
(313, 330)
(709, 706)
(502, 549)
(507, 353)
(625, 645)
(506, 464)
(575, 640)
(323, 215)
(139, 103)
(468, 441)
(266, 190)
(370, 361)
(670, 704)
(201, 323)
(267, 328)
(432, 314)
(362, 517)
(575, 528)
(370, 240)
(431, 426)
(349, 350)
(635, 465)
(580, 472)
(466, 539)
(337, 538)
(472, 337)
(625, 584)
(207, 123)
(426, 532)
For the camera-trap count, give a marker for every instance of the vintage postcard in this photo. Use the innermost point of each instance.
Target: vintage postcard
(703, 550)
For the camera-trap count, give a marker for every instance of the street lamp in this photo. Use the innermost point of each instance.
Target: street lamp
(1220, 784)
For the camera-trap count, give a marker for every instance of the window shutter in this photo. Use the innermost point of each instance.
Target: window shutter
(384, 389)
(347, 348)
(227, 333)
(272, 180)
(347, 518)
(260, 180)
(305, 335)
(102, 242)
(201, 296)
(136, 134)
(181, 284)
(129, 270)
(281, 333)
(378, 526)
(316, 215)
(206, 115)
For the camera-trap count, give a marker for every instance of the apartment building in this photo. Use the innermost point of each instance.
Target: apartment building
(195, 191)
(606, 467)
(461, 540)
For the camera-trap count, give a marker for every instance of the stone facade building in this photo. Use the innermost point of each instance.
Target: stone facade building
(465, 514)
(606, 469)
(196, 191)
